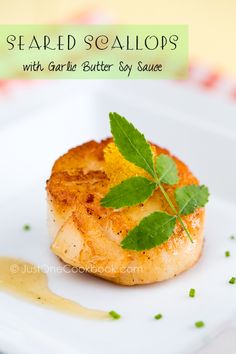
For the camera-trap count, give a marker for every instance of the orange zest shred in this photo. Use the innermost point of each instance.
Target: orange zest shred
(117, 168)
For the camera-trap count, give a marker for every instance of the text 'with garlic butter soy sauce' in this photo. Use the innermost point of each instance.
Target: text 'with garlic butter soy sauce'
(93, 52)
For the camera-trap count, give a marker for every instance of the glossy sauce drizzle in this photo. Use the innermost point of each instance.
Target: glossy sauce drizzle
(29, 282)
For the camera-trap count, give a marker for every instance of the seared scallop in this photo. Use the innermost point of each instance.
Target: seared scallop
(87, 235)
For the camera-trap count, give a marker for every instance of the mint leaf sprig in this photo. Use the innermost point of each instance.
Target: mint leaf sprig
(166, 171)
(157, 227)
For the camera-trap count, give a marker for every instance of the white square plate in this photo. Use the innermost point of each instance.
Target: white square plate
(201, 130)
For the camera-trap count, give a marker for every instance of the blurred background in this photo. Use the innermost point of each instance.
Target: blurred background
(212, 51)
(212, 24)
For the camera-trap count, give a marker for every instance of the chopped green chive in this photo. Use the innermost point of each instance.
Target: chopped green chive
(232, 280)
(26, 227)
(192, 292)
(227, 254)
(114, 315)
(158, 317)
(232, 237)
(199, 324)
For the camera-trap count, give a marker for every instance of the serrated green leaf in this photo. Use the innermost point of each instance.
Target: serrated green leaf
(130, 192)
(189, 198)
(131, 143)
(152, 231)
(166, 169)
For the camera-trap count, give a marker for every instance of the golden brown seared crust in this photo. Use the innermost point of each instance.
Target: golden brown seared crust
(88, 156)
(75, 188)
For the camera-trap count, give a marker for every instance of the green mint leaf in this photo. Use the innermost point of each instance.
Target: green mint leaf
(131, 143)
(130, 192)
(166, 169)
(191, 197)
(152, 231)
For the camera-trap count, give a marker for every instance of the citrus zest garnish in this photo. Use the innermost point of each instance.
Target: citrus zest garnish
(117, 168)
